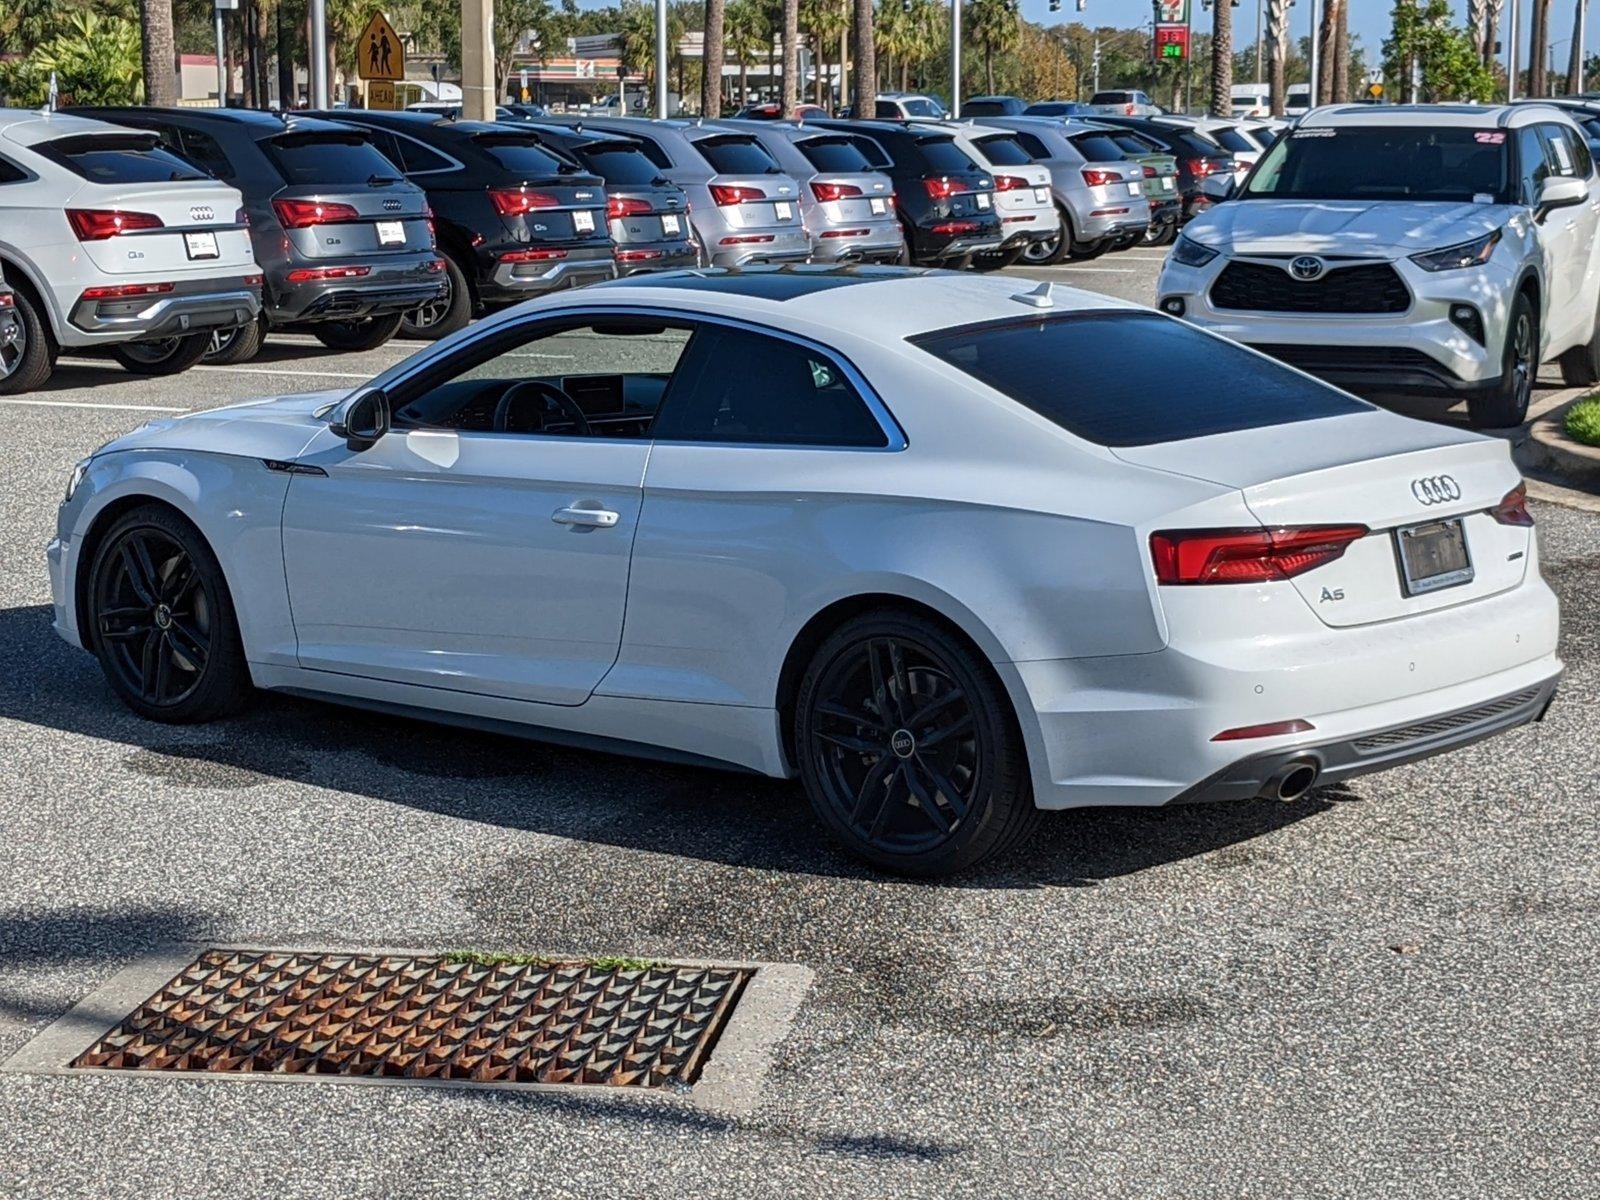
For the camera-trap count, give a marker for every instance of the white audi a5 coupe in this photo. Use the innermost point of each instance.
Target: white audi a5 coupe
(948, 550)
(110, 241)
(1441, 251)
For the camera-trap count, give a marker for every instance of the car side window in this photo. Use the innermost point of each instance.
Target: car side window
(581, 377)
(1033, 145)
(1534, 162)
(386, 144)
(204, 151)
(737, 385)
(417, 159)
(11, 173)
(1581, 156)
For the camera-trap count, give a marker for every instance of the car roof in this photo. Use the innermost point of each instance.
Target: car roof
(260, 125)
(409, 120)
(1460, 116)
(30, 126)
(590, 136)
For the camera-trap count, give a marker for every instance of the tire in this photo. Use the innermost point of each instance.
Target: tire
(169, 356)
(1506, 406)
(1163, 234)
(1084, 251)
(1051, 251)
(1580, 366)
(26, 363)
(998, 261)
(366, 334)
(161, 620)
(960, 797)
(434, 320)
(236, 345)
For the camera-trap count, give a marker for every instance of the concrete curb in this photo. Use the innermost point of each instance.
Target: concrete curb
(1549, 447)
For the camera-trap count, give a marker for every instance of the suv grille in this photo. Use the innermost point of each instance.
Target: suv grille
(1368, 288)
(1316, 359)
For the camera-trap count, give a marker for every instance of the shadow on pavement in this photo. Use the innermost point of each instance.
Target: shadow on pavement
(696, 813)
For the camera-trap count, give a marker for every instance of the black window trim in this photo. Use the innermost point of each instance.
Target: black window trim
(518, 331)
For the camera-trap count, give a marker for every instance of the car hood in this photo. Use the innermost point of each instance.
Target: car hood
(277, 427)
(1388, 229)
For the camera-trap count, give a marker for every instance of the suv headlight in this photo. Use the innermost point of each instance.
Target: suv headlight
(78, 471)
(1187, 252)
(1465, 254)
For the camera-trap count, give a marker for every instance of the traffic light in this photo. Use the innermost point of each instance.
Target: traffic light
(1055, 5)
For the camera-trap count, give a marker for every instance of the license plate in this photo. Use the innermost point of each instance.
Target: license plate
(1135, 189)
(1434, 556)
(583, 221)
(879, 206)
(391, 233)
(670, 225)
(1041, 195)
(983, 199)
(201, 245)
(783, 210)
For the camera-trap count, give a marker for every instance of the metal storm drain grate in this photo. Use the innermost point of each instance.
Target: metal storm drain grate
(427, 1018)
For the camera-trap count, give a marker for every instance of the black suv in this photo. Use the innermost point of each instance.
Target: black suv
(343, 240)
(647, 212)
(516, 216)
(945, 199)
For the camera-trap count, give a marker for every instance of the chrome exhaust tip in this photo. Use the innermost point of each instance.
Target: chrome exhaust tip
(1292, 780)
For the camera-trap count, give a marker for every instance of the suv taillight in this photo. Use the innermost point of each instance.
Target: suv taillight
(941, 187)
(1202, 556)
(626, 206)
(726, 193)
(1008, 183)
(97, 224)
(833, 191)
(516, 202)
(302, 214)
(1095, 177)
(1149, 171)
(1513, 507)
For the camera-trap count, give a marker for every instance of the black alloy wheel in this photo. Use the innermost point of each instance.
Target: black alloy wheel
(908, 750)
(162, 622)
(163, 356)
(447, 312)
(26, 363)
(1506, 405)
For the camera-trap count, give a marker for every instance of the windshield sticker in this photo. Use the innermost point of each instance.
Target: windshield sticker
(1482, 198)
(1490, 137)
(1323, 131)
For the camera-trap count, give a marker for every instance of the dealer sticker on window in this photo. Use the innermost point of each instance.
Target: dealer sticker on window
(1490, 137)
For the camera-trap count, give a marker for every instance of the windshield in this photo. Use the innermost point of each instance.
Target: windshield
(1232, 139)
(1385, 163)
(944, 156)
(921, 106)
(525, 156)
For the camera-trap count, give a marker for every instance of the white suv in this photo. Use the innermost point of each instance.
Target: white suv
(1435, 251)
(109, 240)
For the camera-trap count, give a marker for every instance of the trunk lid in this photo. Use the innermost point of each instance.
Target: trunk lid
(342, 199)
(749, 188)
(200, 229)
(1374, 469)
(852, 198)
(646, 213)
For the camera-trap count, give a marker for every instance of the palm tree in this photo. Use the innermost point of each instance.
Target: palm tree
(826, 23)
(711, 80)
(746, 31)
(159, 53)
(1222, 57)
(1575, 55)
(791, 55)
(1327, 51)
(1538, 47)
(896, 37)
(636, 39)
(993, 25)
(864, 83)
(1277, 39)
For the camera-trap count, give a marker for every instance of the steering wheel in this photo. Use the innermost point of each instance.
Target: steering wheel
(546, 391)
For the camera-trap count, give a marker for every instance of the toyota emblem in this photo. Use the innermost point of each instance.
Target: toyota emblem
(1307, 267)
(1435, 489)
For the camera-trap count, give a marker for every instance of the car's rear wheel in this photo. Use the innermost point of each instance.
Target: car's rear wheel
(161, 620)
(1506, 405)
(444, 314)
(1163, 234)
(997, 261)
(1580, 366)
(366, 334)
(1052, 249)
(908, 749)
(237, 345)
(165, 356)
(27, 362)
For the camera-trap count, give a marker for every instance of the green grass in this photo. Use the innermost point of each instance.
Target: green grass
(1583, 421)
(604, 963)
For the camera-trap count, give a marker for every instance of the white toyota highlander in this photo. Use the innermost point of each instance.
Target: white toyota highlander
(1437, 251)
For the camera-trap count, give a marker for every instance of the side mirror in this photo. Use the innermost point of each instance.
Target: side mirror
(1217, 188)
(1560, 191)
(362, 420)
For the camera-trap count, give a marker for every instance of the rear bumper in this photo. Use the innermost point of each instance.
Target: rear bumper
(788, 244)
(655, 256)
(881, 243)
(1379, 371)
(391, 287)
(509, 282)
(191, 307)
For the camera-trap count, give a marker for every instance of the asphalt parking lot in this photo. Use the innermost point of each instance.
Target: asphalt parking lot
(1385, 988)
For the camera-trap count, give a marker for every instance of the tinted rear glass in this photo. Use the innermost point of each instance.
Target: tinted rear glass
(943, 155)
(1386, 162)
(1232, 139)
(1112, 98)
(837, 155)
(327, 159)
(113, 158)
(1098, 147)
(525, 156)
(1004, 152)
(619, 164)
(985, 108)
(737, 156)
(1199, 144)
(1062, 109)
(1132, 143)
(1134, 379)
(921, 107)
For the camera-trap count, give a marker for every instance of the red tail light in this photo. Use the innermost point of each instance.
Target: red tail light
(622, 255)
(515, 202)
(522, 256)
(952, 227)
(626, 206)
(242, 218)
(311, 274)
(97, 224)
(1513, 507)
(1009, 183)
(1200, 167)
(1095, 177)
(833, 191)
(1201, 556)
(302, 214)
(1149, 172)
(1274, 729)
(727, 193)
(124, 291)
(941, 187)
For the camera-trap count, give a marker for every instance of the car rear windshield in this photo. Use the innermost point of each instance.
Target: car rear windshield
(1112, 98)
(1063, 109)
(1134, 379)
(1004, 151)
(1232, 139)
(525, 156)
(737, 156)
(618, 164)
(944, 156)
(1098, 147)
(331, 159)
(1385, 162)
(119, 158)
(1132, 143)
(835, 155)
(921, 106)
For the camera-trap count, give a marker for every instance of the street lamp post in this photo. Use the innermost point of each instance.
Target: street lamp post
(319, 54)
(1511, 53)
(955, 58)
(661, 59)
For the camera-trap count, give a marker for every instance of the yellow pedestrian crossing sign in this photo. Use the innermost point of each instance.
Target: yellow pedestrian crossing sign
(379, 52)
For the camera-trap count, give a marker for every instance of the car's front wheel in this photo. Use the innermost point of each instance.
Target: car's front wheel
(1505, 406)
(165, 356)
(161, 620)
(366, 334)
(908, 749)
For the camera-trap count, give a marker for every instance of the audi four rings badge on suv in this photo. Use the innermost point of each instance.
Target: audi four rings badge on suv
(892, 553)
(1436, 251)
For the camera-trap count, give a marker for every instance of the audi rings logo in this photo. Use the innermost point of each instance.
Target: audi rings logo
(202, 212)
(1435, 489)
(392, 206)
(1307, 267)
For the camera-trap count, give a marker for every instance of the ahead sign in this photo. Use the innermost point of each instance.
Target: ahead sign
(379, 52)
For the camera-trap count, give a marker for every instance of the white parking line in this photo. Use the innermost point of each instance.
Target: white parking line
(86, 404)
(1094, 270)
(295, 370)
